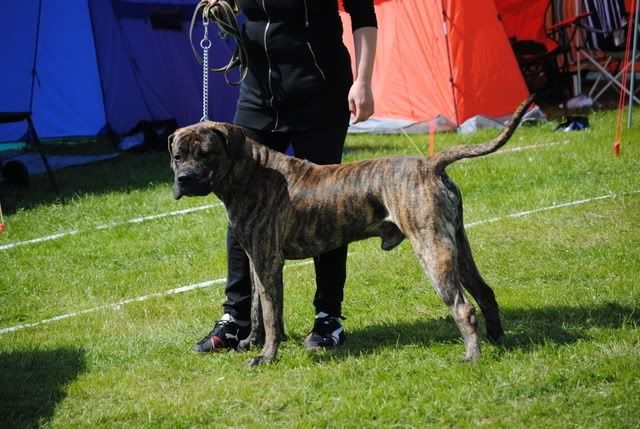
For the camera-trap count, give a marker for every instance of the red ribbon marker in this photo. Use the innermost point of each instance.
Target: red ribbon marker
(2, 225)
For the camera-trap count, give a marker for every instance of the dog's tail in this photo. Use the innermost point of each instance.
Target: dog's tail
(441, 160)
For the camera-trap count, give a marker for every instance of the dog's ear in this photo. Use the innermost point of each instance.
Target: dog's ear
(170, 142)
(235, 140)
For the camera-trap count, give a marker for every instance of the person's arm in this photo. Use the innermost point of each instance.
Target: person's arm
(361, 102)
(365, 32)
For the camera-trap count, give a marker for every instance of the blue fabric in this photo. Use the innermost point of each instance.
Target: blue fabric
(100, 65)
(67, 99)
(17, 46)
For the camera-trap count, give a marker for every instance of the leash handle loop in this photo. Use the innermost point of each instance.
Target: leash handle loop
(223, 13)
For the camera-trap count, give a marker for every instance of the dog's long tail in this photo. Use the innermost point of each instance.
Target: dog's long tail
(442, 159)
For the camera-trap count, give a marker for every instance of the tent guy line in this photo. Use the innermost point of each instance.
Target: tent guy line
(522, 148)
(500, 152)
(208, 283)
(141, 219)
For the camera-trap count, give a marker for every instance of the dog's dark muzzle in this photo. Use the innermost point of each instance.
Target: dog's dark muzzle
(188, 182)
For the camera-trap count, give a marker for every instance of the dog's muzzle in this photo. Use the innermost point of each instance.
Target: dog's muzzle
(188, 182)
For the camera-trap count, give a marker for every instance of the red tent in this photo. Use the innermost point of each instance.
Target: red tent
(442, 57)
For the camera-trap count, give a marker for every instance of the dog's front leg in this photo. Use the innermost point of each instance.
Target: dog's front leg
(256, 336)
(267, 277)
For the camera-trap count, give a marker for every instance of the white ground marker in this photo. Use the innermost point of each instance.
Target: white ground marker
(209, 283)
(141, 219)
(119, 304)
(59, 235)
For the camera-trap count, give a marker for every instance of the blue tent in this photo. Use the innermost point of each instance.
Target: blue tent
(86, 67)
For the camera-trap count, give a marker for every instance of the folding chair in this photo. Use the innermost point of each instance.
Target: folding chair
(602, 43)
(543, 65)
(7, 117)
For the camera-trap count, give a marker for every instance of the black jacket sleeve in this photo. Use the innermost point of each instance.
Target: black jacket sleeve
(362, 13)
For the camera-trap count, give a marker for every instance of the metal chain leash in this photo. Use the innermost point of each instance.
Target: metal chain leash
(205, 44)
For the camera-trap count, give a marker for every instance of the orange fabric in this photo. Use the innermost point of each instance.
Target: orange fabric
(487, 77)
(416, 61)
(411, 73)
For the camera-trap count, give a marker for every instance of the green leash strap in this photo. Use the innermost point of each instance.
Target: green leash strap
(223, 13)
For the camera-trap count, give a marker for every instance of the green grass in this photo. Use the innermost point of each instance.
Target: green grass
(566, 280)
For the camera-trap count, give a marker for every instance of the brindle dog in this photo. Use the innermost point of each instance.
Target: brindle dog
(286, 208)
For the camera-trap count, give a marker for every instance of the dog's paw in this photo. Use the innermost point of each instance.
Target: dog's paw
(496, 336)
(244, 345)
(499, 341)
(495, 333)
(471, 358)
(258, 360)
(250, 342)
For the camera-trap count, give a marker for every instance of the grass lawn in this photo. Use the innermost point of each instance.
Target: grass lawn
(554, 229)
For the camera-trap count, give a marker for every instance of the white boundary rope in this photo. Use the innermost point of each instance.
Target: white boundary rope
(108, 226)
(552, 207)
(118, 305)
(62, 234)
(208, 283)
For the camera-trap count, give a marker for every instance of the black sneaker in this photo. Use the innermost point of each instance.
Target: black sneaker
(327, 333)
(226, 334)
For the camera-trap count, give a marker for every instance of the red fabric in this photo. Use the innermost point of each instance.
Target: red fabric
(525, 20)
(630, 5)
(416, 61)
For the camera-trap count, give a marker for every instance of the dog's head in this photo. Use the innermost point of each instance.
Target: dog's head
(202, 155)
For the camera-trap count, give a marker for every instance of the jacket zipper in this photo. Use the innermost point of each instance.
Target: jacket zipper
(266, 51)
(306, 25)
(315, 61)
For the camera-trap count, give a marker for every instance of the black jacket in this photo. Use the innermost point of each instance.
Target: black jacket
(298, 65)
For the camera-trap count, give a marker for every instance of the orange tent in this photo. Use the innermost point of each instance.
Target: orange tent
(448, 58)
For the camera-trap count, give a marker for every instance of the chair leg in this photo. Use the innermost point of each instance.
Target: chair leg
(612, 79)
(597, 81)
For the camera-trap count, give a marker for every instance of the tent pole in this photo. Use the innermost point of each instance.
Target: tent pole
(453, 86)
(100, 68)
(34, 71)
(633, 63)
(578, 89)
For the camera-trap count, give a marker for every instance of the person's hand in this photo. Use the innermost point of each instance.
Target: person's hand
(212, 2)
(360, 100)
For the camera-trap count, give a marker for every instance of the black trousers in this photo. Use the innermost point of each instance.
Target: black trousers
(322, 145)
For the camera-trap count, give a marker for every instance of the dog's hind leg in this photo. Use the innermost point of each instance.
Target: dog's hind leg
(437, 254)
(478, 288)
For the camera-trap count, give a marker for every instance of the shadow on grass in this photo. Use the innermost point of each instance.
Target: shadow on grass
(125, 173)
(526, 328)
(33, 383)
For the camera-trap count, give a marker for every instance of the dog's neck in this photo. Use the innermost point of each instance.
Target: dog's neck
(254, 161)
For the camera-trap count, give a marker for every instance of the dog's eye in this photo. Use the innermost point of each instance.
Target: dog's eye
(177, 157)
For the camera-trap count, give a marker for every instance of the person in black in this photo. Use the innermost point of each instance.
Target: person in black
(298, 91)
